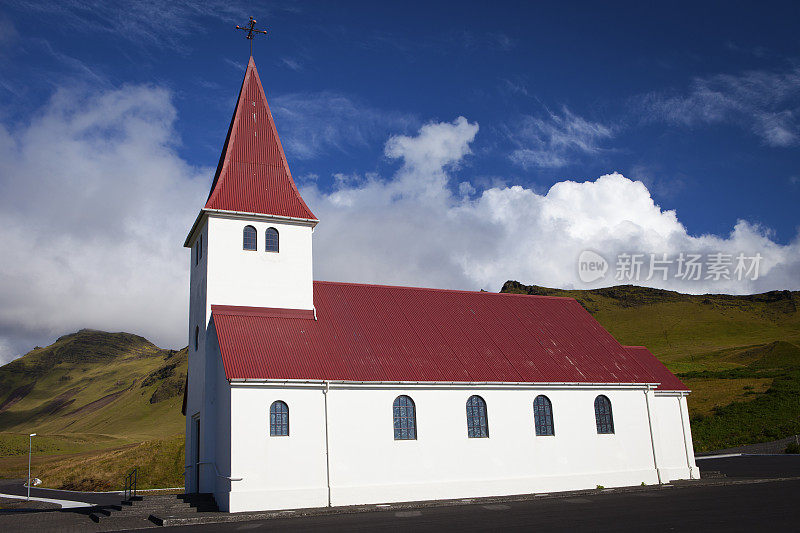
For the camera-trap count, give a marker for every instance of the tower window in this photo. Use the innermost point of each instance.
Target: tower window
(249, 238)
(278, 419)
(271, 240)
(196, 337)
(477, 420)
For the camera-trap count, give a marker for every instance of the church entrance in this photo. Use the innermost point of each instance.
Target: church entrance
(196, 454)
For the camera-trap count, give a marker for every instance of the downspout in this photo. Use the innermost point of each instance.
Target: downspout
(685, 443)
(652, 438)
(327, 448)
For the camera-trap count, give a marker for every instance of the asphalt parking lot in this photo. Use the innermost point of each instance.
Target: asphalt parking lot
(751, 498)
(753, 466)
(755, 492)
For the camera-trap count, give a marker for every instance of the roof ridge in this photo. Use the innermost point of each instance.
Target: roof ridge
(434, 289)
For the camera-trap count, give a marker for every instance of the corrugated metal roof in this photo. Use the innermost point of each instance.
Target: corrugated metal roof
(382, 333)
(253, 175)
(668, 381)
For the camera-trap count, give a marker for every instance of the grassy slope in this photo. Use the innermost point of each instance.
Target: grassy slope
(87, 393)
(739, 354)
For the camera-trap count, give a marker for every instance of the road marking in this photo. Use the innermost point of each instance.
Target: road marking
(497, 507)
(407, 514)
(721, 456)
(65, 504)
(578, 500)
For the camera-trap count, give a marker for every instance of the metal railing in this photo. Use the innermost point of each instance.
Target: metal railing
(130, 484)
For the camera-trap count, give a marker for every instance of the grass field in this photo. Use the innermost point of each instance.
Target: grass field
(160, 464)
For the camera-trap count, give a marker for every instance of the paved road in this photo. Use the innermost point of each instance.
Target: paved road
(754, 466)
(17, 486)
(744, 507)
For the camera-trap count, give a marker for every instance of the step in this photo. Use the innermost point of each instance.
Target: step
(216, 518)
(161, 510)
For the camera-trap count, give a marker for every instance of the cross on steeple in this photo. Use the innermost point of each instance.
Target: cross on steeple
(251, 30)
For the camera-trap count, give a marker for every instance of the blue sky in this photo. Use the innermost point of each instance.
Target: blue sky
(699, 103)
(411, 63)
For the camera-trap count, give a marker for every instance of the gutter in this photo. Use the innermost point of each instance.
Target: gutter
(652, 438)
(689, 455)
(391, 384)
(325, 392)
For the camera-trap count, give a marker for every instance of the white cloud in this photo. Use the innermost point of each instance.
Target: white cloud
(767, 103)
(94, 206)
(410, 229)
(556, 140)
(95, 203)
(311, 124)
(142, 22)
(291, 63)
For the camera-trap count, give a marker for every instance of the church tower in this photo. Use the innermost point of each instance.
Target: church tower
(251, 242)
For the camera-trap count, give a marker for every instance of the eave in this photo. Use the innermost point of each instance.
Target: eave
(204, 212)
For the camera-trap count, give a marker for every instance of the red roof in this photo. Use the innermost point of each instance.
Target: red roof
(656, 369)
(253, 175)
(380, 333)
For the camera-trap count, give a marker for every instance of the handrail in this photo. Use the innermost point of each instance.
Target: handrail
(130, 483)
(217, 471)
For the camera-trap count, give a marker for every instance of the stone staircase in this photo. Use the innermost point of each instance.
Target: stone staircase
(156, 508)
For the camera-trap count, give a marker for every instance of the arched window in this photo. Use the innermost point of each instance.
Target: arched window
(602, 415)
(278, 419)
(477, 420)
(196, 337)
(271, 240)
(405, 418)
(543, 415)
(249, 238)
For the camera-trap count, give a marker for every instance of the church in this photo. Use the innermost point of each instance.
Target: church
(306, 393)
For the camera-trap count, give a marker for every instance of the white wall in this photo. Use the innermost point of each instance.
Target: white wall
(675, 455)
(197, 362)
(278, 472)
(369, 466)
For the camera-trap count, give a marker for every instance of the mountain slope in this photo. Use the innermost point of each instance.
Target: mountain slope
(684, 329)
(114, 386)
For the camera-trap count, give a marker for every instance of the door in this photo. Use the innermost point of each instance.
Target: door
(196, 454)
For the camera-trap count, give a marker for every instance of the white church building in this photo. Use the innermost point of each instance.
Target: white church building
(304, 393)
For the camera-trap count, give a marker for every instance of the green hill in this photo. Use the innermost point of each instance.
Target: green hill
(740, 355)
(86, 394)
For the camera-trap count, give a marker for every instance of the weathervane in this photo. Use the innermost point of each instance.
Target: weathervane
(251, 29)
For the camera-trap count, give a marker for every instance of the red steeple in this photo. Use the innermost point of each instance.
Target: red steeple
(253, 175)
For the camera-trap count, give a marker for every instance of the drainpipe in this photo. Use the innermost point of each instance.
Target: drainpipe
(327, 447)
(652, 438)
(685, 442)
